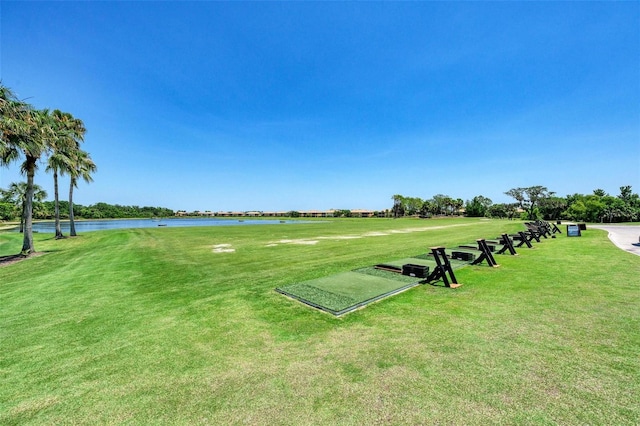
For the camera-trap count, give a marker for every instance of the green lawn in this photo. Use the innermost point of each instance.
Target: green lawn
(153, 326)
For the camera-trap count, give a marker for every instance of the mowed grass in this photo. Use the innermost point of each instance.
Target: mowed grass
(152, 326)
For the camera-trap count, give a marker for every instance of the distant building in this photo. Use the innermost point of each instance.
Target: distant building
(362, 213)
(317, 213)
(258, 213)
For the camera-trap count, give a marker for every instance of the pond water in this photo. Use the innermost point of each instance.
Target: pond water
(99, 225)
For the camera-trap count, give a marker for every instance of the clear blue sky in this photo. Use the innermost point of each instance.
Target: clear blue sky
(304, 105)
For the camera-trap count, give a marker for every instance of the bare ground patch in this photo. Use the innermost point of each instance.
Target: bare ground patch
(223, 248)
(15, 258)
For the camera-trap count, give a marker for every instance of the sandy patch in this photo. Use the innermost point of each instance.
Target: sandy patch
(223, 248)
(303, 242)
(341, 237)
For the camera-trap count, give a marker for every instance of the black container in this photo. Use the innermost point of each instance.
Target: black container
(463, 255)
(418, 271)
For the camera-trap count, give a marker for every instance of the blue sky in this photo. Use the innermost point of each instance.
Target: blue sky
(304, 105)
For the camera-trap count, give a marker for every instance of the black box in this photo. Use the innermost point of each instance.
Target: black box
(418, 271)
(463, 255)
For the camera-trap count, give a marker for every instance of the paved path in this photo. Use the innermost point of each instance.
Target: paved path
(625, 237)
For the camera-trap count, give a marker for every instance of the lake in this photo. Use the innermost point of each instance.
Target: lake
(99, 225)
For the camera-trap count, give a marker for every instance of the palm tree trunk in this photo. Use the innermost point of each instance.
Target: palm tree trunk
(23, 213)
(72, 226)
(27, 241)
(56, 204)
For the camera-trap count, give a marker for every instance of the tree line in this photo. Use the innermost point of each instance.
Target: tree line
(530, 203)
(11, 207)
(439, 204)
(34, 136)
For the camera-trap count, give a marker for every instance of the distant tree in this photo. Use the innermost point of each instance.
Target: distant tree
(576, 209)
(68, 133)
(342, 213)
(603, 208)
(614, 210)
(586, 208)
(552, 207)
(83, 168)
(631, 202)
(412, 205)
(47, 209)
(428, 208)
(625, 193)
(599, 192)
(529, 198)
(16, 195)
(503, 210)
(398, 205)
(6, 211)
(497, 211)
(457, 204)
(478, 206)
(441, 203)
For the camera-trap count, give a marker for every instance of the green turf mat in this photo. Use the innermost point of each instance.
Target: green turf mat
(318, 297)
(370, 270)
(343, 292)
(422, 256)
(412, 260)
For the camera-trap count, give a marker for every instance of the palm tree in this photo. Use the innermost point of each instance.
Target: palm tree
(69, 132)
(83, 168)
(56, 163)
(23, 133)
(11, 125)
(16, 194)
(458, 203)
(398, 205)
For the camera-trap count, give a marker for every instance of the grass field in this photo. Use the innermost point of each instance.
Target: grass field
(183, 326)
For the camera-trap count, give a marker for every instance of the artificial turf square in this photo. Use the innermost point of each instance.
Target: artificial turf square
(340, 292)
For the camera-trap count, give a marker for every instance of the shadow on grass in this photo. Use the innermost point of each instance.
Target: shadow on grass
(15, 258)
